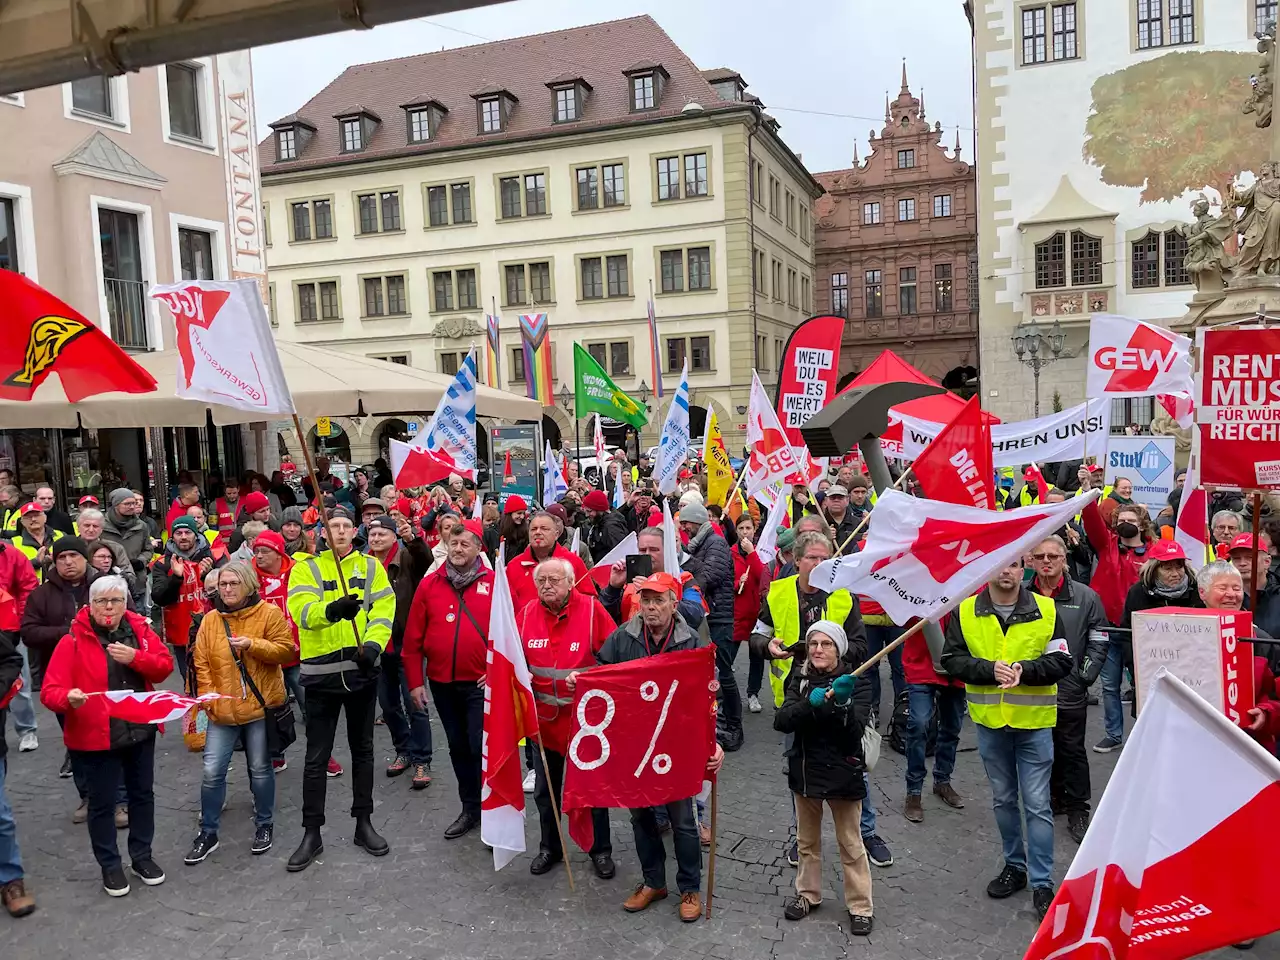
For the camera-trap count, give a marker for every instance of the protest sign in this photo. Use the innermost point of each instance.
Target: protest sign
(807, 374)
(1203, 649)
(1147, 462)
(1238, 407)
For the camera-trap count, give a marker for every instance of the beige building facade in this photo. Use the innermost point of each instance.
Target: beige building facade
(433, 198)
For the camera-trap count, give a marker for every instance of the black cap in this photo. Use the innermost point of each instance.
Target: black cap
(381, 522)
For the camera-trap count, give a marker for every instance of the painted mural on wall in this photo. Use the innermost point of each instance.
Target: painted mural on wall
(1174, 124)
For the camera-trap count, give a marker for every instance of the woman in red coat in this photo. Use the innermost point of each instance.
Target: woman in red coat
(750, 585)
(110, 648)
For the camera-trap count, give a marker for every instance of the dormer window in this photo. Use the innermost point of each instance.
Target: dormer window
(286, 144)
(728, 89)
(566, 104)
(292, 135)
(423, 119)
(493, 109)
(647, 81)
(727, 84)
(355, 128)
(568, 97)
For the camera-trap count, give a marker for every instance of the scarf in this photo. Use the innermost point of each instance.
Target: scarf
(1172, 593)
(696, 541)
(193, 554)
(461, 579)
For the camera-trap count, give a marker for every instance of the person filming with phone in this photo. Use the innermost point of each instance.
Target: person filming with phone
(620, 597)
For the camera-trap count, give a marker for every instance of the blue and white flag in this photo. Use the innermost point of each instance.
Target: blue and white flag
(448, 443)
(673, 446)
(670, 542)
(619, 492)
(553, 485)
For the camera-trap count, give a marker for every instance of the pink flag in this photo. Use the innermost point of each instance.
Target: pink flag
(509, 717)
(151, 706)
(1171, 866)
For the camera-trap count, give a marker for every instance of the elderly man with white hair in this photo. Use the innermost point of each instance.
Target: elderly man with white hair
(562, 630)
(90, 522)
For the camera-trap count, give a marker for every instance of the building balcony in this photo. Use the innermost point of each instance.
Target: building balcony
(127, 310)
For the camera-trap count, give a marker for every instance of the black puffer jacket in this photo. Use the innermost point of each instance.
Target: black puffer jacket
(825, 761)
(712, 551)
(1085, 624)
(603, 532)
(406, 570)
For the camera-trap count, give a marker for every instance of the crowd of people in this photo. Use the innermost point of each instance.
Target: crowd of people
(374, 603)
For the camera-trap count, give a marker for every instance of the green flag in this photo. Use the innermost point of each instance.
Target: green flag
(598, 394)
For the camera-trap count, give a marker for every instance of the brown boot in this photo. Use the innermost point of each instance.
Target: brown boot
(16, 900)
(913, 810)
(642, 897)
(947, 794)
(690, 906)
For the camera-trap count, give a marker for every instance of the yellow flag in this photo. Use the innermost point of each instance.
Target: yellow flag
(716, 457)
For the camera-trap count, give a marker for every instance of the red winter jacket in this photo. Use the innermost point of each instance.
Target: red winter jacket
(1264, 696)
(520, 576)
(1118, 568)
(17, 581)
(80, 661)
(440, 630)
(750, 586)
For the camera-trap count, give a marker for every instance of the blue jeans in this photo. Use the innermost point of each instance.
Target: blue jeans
(730, 696)
(410, 728)
(1112, 674)
(868, 820)
(219, 743)
(1020, 762)
(10, 856)
(877, 638)
(950, 706)
(653, 855)
(22, 708)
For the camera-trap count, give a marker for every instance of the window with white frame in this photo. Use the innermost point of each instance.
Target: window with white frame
(9, 258)
(93, 97)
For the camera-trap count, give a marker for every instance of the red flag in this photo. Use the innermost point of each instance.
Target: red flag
(1150, 881)
(807, 372)
(627, 547)
(39, 334)
(151, 706)
(507, 472)
(956, 465)
(643, 732)
(510, 715)
(419, 467)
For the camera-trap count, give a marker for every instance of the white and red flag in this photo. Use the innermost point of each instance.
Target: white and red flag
(448, 444)
(1174, 865)
(1191, 528)
(1180, 406)
(923, 557)
(772, 458)
(629, 546)
(224, 342)
(509, 717)
(151, 706)
(597, 441)
(1132, 358)
(956, 465)
(809, 470)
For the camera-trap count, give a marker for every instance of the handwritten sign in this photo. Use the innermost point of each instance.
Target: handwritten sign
(1203, 649)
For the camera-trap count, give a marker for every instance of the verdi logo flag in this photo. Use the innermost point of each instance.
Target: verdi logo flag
(598, 394)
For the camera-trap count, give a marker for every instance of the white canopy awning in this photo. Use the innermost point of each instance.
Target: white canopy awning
(324, 383)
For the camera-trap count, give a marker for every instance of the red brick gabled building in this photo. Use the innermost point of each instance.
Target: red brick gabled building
(896, 247)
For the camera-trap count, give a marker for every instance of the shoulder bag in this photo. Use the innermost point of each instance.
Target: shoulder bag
(281, 728)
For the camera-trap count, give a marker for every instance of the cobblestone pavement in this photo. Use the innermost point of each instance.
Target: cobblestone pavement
(430, 898)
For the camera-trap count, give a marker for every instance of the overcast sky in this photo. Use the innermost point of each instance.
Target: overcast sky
(821, 66)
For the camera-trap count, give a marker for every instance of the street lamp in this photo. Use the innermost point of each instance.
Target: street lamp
(565, 397)
(1038, 350)
(644, 392)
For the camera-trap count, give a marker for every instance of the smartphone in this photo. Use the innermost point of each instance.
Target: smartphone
(639, 565)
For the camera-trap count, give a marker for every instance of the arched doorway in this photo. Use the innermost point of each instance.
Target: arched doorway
(697, 423)
(336, 446)
(551, 432)
(393, 429)
(962, 381)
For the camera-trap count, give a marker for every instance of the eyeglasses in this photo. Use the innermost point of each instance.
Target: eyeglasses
(108, 601)
(547, 580)
(820, 645)
(1048, 556)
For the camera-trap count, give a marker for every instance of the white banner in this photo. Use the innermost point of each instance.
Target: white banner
(240, 152)
(1059, 436)
(1130, 358)
(224, 341)
(1147, 463)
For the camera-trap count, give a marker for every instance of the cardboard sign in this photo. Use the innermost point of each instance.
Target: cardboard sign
(1238, 407)
(1147, 462)
(1203, 649)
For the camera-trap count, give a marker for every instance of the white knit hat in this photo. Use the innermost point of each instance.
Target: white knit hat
(829, 628)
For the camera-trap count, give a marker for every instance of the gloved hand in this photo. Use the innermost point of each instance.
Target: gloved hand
(344, 608)
(842, 689)
(367, 658)
(817, 697)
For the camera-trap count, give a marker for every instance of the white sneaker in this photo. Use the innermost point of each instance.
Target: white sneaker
(753, 704)
(28, 743)
(529, 780)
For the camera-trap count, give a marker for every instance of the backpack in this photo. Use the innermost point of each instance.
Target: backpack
(900, 720)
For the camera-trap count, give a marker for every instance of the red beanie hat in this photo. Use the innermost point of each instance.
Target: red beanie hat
(474, 527)
(596, 500)
(253, 502)
(404, 508)
(269, 538)
(655, 519)
(515, 502)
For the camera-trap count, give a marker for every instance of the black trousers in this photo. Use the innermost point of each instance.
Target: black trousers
(550, 841)
(323, 708)
(460, 706)
(102, 771)
(1069, 781)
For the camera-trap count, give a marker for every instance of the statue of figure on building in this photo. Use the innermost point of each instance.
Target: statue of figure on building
(1207, 259)
(1263, 83)
(1258, 223)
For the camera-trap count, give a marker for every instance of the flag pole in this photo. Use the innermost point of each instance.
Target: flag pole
(577, 441)
(555, 812)
(1257, 523)
(867, 516)
(711, 854)
(884, 651)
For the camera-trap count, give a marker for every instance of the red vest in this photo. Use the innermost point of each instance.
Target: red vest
(224, 516)
(177, 616)
(274, 588)
(520, 576)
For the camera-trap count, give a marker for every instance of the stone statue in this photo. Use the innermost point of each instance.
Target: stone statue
(1207, 259)
(1163, 425)
(1258, 223)
(1263, 83)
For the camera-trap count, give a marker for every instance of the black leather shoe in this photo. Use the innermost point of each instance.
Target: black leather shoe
(310, 848)
(604, 866)
(543, 863)
(370, 839)
(462, 826)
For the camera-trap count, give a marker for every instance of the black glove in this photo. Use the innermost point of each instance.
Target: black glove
(367, 658)
(344, 608)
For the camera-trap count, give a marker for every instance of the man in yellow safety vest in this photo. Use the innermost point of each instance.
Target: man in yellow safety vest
(1009, 647)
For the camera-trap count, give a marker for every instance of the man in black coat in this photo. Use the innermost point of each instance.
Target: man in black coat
(605, 527)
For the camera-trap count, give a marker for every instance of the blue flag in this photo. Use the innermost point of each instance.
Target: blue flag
(553, 485)
(673, 446)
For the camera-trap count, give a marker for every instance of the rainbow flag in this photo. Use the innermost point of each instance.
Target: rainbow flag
(536, 341)
(493, 357)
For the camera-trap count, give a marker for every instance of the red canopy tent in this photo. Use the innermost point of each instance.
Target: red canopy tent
(891, 368)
